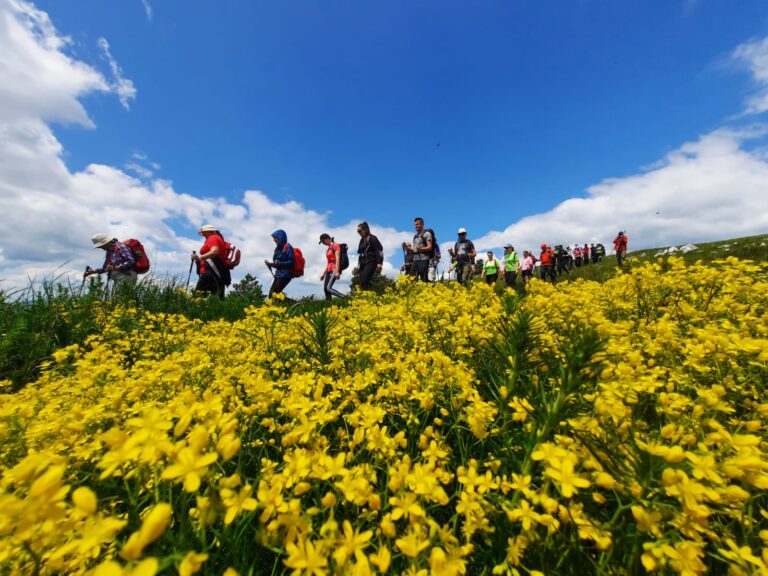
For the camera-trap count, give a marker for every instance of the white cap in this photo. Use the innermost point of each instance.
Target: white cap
(100, 240)
(208, 228)
(462, 231)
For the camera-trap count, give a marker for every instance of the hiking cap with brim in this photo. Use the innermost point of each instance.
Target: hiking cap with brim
(208, 228)
(100, 240)
(508, 246)
(324, 237)
(462, 231)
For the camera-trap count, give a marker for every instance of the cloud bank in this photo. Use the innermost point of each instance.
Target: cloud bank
(705, 190)
(711, 188)
(754, 56)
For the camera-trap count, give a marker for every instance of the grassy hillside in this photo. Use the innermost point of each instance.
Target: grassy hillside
(749, 247)
(39, 320)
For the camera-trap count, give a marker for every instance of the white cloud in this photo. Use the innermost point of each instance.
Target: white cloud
(139, 170)
(122, 86)
(706, 190)
(38, 82)
(56, 211)
(148, 9)
(754, 55)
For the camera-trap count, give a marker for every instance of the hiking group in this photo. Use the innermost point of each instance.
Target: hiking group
(125, 260)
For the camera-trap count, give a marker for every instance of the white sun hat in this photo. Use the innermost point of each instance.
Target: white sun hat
(100, 240)
(208, 228)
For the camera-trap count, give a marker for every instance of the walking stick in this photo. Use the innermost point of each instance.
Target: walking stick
(189, 276)
(106, 288)
(87, 273)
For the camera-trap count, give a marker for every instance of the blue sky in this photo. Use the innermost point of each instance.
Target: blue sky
(475, 114)
(335, 104)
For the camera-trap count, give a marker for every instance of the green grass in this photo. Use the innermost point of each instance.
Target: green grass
(39, 319)
(747, 248)
(36, 321)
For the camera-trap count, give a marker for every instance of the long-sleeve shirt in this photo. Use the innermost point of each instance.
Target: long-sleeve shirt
(282, 261)
(370, 249)
(120, 257)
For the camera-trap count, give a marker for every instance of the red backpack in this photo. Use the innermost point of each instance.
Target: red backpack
(139, 255)
(231, 257)
(298, 263)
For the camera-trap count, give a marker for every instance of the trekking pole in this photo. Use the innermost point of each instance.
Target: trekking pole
(189, 276)
(87, 273)
(106, 288)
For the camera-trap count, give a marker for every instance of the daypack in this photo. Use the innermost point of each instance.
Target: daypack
(343, 248)
(298, 263)
(139, 255)
(231, 256)
(435, 253)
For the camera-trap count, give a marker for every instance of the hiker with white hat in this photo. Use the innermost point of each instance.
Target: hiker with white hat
(463, 256)
(119, 262)
(214, 273)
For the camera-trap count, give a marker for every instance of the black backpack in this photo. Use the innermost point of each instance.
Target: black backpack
(435, 252)
(343, 248)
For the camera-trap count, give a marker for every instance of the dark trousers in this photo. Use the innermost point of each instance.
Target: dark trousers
(420, 269)
(366, 272)
(620, 256)
(548, 272)
(211, 284)
(463, 272)
(490, 279)
(509, 278)
(278, 285)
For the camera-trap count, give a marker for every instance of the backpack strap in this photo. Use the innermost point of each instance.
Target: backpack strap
(209, 261)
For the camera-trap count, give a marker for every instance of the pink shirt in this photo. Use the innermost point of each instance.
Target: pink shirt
(526, 263)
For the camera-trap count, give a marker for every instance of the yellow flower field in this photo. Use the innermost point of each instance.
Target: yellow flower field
(615, 428)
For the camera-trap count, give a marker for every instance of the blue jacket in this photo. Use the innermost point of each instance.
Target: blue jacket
(283, 258)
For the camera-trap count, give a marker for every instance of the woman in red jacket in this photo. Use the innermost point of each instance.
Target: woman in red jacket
(620, 246)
